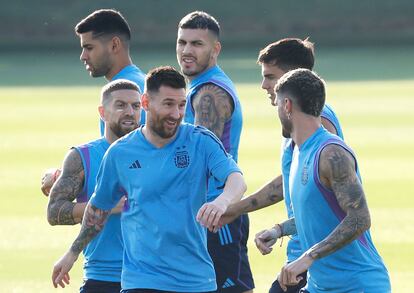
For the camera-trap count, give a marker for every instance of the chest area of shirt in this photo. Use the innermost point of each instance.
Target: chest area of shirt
(302, 186)
(160, 170)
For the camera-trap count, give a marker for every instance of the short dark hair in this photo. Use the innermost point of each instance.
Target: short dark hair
(105, 22)
(305, 88)
(164, 75)
(200, 20)
(289, 54)
(116, 85)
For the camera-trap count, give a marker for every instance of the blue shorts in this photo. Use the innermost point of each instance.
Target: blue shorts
(228, 249)
(95, 286)
(290, 289)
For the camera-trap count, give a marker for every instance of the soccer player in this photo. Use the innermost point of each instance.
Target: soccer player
(120, 109)
(104, 38)
(212, 102)
(331, 215)
(276, 59)
(164, 167)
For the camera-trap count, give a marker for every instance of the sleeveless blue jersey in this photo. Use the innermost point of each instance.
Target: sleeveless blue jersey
(165, 247)
(356, 267)
(232, 128)
(132, 73)
(294, 249)
(103, 255)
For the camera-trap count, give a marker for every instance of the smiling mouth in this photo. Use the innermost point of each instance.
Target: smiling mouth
(128, 123)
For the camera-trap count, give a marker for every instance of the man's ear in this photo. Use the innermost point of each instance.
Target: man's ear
(288, 105)
(217, 49)
(101, 110)
(116, 44)
(145, 101)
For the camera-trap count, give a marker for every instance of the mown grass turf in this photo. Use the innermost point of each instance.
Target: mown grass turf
(39, 124)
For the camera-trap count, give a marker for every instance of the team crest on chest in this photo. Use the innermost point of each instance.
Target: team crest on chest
(305, 175)
(181, 158)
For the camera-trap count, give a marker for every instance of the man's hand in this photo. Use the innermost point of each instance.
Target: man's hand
(266, 239)
(60, 274)
(119, 206)
(48, 179)
(210, 213)
(289, 276)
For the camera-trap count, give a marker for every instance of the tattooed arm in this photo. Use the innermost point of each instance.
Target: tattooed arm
(337, 172)
(93, 222)
(213, 106)
(61, 209)
(268, 195)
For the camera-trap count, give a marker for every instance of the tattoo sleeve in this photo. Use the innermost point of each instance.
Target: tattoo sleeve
(337, 172)
(64, 191)
(213, 106)
(93, 222)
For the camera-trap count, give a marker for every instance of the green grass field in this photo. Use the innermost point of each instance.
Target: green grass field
(39, 123)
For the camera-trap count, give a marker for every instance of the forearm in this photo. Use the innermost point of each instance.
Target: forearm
(64, 212)
(351, 227)
(268, 195)
(93, 222)
(234, 189)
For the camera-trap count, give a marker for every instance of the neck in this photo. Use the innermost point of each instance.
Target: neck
(154, 138)
(109, 135)
(118, 66)
(191, 78)
(303, 127)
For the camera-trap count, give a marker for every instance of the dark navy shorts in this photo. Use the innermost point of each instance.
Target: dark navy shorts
(290, 289)
(228, 249)
(94, 286)
(153, 291)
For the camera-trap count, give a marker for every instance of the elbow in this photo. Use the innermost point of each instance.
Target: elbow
(367, 222)
(364, 223)
(244, 187)
(51, 221)
(50, 216)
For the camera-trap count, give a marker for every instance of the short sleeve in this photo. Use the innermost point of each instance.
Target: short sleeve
(107, 189)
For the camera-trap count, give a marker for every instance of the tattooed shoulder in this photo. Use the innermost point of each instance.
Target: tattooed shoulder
(336, 165)
(213, 106)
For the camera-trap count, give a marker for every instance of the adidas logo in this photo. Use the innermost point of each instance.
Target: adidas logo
(135, 165)
(228, 283)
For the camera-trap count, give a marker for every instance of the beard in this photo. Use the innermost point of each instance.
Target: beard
(198, 66)
(163, 132)
(100, 70)
(120, 130)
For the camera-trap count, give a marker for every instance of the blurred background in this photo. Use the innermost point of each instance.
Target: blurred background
(364, 51)
(40, 34)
